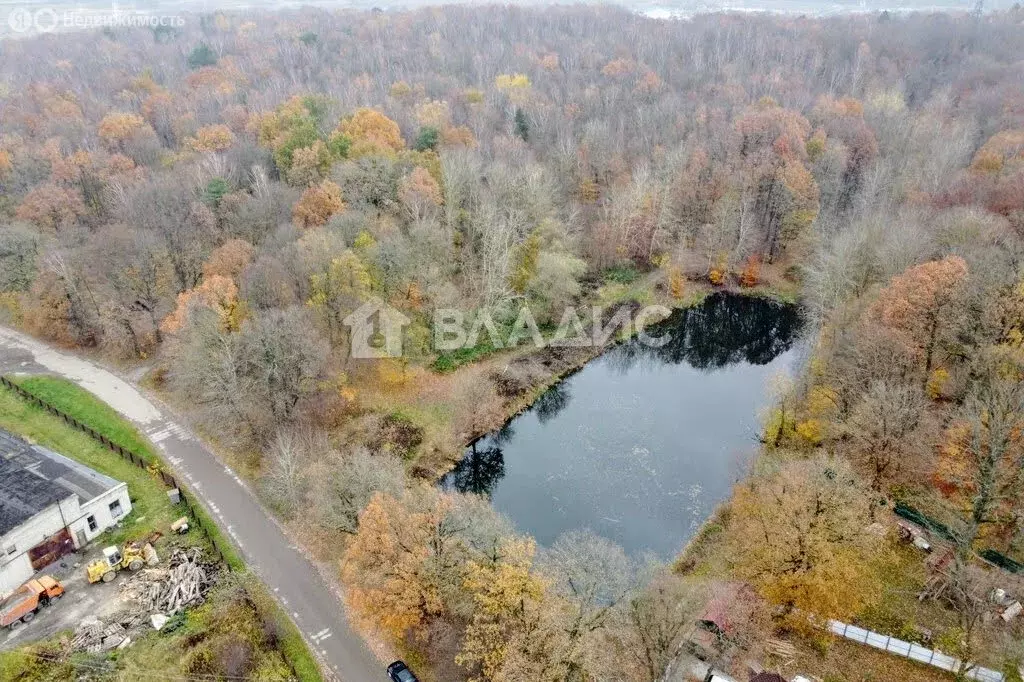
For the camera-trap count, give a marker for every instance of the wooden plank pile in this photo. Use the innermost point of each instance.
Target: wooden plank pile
(93, 635)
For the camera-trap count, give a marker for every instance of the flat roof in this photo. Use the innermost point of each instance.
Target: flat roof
(33, 478)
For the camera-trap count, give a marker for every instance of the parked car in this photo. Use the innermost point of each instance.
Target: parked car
(399, 672)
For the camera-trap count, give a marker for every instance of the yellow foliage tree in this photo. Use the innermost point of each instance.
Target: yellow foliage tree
(799, 536)
(335, 293)
(371, 132)
(309, 164)
(676, 283)
(118, 127)
(508, 598)
(215, 138)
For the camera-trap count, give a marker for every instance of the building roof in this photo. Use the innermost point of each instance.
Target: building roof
(33, 478)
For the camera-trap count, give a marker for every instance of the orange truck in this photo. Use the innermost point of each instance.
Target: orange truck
(21, 606)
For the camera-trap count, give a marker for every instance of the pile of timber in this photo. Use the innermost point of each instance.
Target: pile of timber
(169, 591)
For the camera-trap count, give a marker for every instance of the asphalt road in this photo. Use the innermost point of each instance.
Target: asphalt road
(312, 603)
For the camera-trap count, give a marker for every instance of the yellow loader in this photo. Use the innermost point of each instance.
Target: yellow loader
(132, 556)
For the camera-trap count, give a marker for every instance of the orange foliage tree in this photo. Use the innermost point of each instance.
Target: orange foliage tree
(391, 567)
(317, 204)
(419, 194)
(51, 206)
(751, 274)
(229, 259)
(916, 305)
(217, 293)
(5, 163)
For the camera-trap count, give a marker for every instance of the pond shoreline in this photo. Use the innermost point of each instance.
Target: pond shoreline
(651, 436)
(522, 404)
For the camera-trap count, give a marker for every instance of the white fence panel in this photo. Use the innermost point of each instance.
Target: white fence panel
(899, 647)
(909, 650)
(876, 640)
(919, 653)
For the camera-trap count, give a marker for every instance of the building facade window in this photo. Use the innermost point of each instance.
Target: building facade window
(115, 509)
(91, 520)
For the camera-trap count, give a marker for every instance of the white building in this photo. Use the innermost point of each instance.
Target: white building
(49, 505)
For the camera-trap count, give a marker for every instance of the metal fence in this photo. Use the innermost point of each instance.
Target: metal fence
(136, 459)
(141, 462)
(912, 651)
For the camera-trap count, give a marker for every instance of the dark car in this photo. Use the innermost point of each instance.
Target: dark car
(399, 672)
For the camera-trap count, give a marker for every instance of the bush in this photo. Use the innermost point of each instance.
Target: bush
(622, 274)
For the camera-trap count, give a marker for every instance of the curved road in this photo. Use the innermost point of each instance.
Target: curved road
(313, 604)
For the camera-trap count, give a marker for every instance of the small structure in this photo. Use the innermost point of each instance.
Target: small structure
(49, 505)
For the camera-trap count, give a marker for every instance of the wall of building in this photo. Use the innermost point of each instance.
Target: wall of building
(99, 509)
(16, 568)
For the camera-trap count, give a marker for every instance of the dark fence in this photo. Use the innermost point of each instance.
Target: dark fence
(926, 522)
(153, 465)
(135, 458)
(990, 555)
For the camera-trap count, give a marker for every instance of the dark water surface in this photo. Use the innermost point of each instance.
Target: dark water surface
(642, 443)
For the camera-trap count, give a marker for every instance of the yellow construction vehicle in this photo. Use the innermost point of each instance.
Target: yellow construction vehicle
(132, 556)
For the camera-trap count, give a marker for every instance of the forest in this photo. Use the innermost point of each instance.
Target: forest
(208, 204)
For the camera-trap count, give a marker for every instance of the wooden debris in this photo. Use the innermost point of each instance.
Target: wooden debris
(169, 591)
(781, 650)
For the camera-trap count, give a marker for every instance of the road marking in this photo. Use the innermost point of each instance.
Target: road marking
(319, 637)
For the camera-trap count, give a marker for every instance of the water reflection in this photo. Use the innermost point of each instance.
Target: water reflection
(643, 442)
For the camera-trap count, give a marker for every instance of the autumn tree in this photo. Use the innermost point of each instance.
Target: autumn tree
(118, 128)
(297, 124)
(511, 636)
(917, 307)
(217, 293)
(799, 536)
(229, 259)
(318, 204)
(397, 568)
(420, 195)
(339, 290)
(309, 164)
(140, 278)
(983, 457)
(213, 138)
(371, 132)
(51, 207)
(784, 194)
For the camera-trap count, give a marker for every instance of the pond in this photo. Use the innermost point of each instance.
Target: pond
(642, 443)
